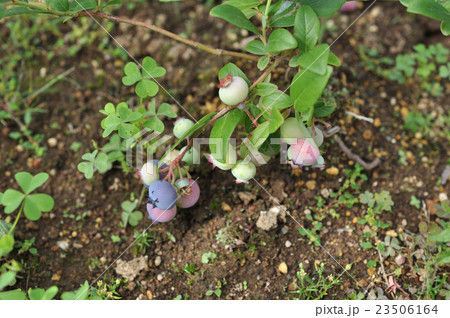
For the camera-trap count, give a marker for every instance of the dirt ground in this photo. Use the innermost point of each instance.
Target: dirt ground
(247, 266)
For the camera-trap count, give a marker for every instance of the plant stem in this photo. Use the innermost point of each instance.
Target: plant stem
(17, 218)
(195, 44)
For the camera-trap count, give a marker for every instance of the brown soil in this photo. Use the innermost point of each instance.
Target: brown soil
(255, 255)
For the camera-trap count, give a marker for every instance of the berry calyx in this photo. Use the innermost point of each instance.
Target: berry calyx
(290, 131)
(162, 194)
(230, 160)
(303, 153)
(189, 193)
(317, 136)
(233, 90)
(243, 171)
(182, 125)
(158, 215)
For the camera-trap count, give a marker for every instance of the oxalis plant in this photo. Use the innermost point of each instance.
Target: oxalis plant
(270, 119)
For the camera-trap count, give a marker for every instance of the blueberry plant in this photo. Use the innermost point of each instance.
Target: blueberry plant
(257, 109)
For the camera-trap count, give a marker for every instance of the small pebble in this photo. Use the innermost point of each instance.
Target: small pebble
(226, 207)
(288, 244)
(311, 184)
(367, 134)
(283, 268)
(377, 122)
(443, 196)
(159, 277)
(158, 260)
(52, 142)
(333, 171)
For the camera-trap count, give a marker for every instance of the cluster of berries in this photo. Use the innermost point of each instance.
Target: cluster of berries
(163, 197)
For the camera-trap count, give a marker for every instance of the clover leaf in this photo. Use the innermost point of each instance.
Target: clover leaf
(94, 161)
(129, 215)
(150, 70)
(120, 118)
(33, 204)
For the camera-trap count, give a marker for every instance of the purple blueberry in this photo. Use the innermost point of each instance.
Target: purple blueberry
(162, 194)
(190, 192)
(159, 215)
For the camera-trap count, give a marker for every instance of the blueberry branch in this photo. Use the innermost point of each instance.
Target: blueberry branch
(176, 37)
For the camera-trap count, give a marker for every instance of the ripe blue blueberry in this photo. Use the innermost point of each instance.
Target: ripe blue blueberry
(159, 215)
(243, 171)
(190, 192)
(162, 194)
(182, 125)
(233, 90)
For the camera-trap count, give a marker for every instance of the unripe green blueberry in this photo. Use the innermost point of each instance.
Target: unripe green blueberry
(257, 158)
(229, 162)
(171, 157)
(233, 90)
(191, 156)
(243, 171)
(149, 173)
(181, 126)
(290, 131)
(318, 135)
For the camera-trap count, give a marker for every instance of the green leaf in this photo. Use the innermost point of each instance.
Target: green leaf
(16, 294)
(333, 60)
(128, 206)
(37, 203)
(256, 47)
(278, 99)
(262, 62)
(233, 70)
(6, 244)
(444, 258)
(234, 16)
(134, 218)
(222, 130)
(260, 134)
(132, 74)
(306, 28)
(445, 28)
(443, 236)
(322, 109)
(316, 60)
(146, 88)
(82, 5)
(307, 87)
(323, 8)
(154, 123)
(198, 125)
(11, 200)
(206, 257)
(6, 279)
(264, 89)
(244, 4)
(126, 131)
(17, 11)
(4, 228)
(366, 245)
(429, 8)
(276, 120)
(28, 183)
(81, 294)
(60, 5)
(166, 110)
(151, 69)
(2, 11)
(41, 294)
(280, 40)
(87, 168)
(101, 162)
